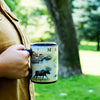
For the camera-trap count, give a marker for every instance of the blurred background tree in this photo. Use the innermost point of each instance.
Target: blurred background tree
(86, 15)
(69, 63)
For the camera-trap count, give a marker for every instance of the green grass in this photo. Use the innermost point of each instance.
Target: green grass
(85, 87)
(73, 88)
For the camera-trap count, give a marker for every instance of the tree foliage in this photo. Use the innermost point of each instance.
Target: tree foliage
(34, 18)
(12, 4)
(87, 18)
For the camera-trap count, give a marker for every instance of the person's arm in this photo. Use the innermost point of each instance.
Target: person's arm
(14, 62)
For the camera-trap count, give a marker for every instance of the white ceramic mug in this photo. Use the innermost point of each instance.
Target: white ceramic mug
(44, 62)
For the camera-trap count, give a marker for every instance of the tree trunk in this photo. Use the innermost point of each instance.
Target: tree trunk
(98, 40)
(69, 63)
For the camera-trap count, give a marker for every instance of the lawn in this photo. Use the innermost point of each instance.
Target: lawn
(90, 58)
(85, 87)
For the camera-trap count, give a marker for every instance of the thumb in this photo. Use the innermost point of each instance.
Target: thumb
(18, 47)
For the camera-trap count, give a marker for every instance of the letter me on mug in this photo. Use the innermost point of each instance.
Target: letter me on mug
(44, 62)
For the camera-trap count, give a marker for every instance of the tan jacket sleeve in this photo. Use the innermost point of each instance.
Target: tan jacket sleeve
(10, 31)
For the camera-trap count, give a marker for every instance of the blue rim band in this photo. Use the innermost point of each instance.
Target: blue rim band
(44, 44)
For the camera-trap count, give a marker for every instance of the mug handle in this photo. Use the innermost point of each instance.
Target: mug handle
(30, 73)
(29, 69)
(29, 50)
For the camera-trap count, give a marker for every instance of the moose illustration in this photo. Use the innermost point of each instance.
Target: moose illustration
(42, 73)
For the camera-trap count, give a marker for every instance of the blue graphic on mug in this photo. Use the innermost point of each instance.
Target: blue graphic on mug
(40, 58)
(55, 75)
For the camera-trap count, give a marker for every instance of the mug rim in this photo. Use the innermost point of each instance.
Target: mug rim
(44, 44)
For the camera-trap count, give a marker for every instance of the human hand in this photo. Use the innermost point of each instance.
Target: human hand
(14, 62)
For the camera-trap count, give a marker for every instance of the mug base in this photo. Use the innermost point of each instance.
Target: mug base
(44, 82)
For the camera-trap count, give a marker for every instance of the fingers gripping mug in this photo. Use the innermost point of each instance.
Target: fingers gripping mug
(44, 62)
